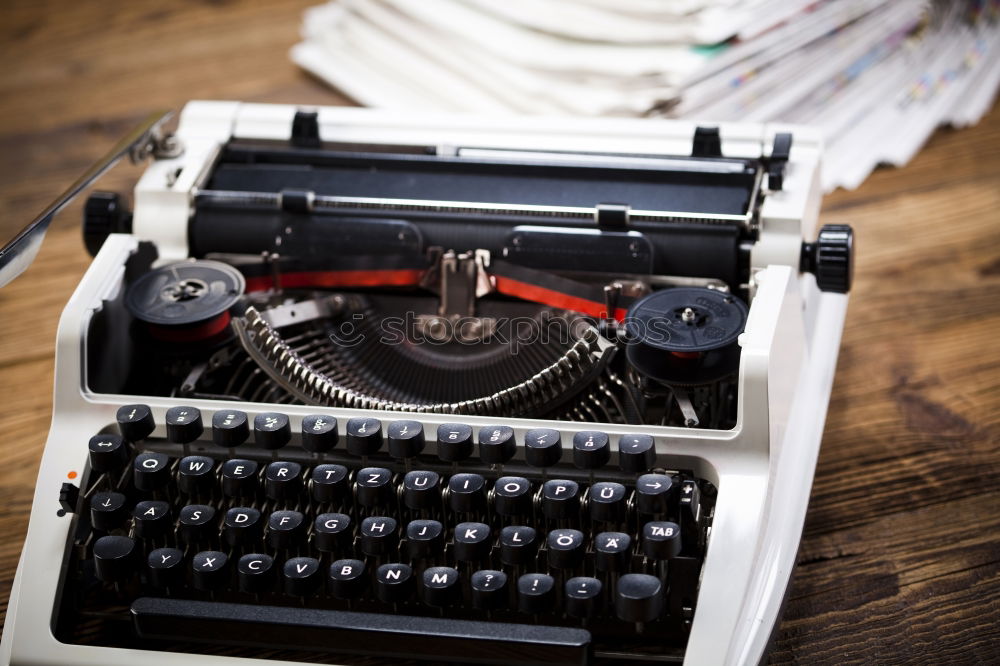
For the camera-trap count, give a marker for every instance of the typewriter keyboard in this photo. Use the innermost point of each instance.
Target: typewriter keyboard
(360, 537)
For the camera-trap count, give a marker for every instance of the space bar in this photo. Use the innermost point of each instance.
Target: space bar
(432, 638)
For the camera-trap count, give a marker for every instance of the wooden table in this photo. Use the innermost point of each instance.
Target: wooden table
(900, 562)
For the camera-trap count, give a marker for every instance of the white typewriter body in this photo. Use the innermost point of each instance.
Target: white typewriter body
(763, 468)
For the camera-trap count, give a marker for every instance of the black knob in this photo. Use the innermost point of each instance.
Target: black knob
(271, 430)
(422, 489)
(454, 442)
(406, 439)
(424, 539)
(230, 428)
(104, 214)
(165, 567)
(347, 579)
(107, 511)
(184, 424)
(639, 598)
(496, 444)
(209, 570)
(583, 596)
(195, 474)
(150, 471)
(197, 523)
(535, 593)
(302, 575)
(108, 453)
(636, 453)
(441, 587)
(543, 447)
(330, 483)
(489, 589)
(135, 422)
(364, 436)
(114, 558)
(830, 258)
(393, 582)
(151, 519)
(332, 532)
(255, 572)
(319, 433)
(283, 480)
(591, 449)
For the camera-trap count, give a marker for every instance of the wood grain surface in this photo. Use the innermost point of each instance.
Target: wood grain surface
(900, 560)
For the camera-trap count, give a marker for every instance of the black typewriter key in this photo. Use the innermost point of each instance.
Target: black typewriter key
(536, 593)
(393, 582)
(422, 489)
(195, 474)
(332, 532)
(302, 576)
(271, 430)
(209, 570)
(114, 558)
(285, 529)
(151, 519)
(373, 486)
(612, 551)
(184, 424)
(636, 453)
(591, 449)
(319, 433)
(424, 539)
(150, 471)
(489, 589)
(608, 502)
(165, 567)
(378, 535)
(560, 499)
(255, 573)
(364, 436)
(497, 444)
(107, 511)
(108, 453)
(467, 493)
(518, 545)
(135, 422)
(330, 483)
(690, 505)
(661, 540)
(283, 480)
(242, 526)
(512, 496)
(652, 492)
(566, 548)
(239, 478)
(196, 522)
(582, 597)
(472, 542)
(230, 428)
(441, 587)
(346, 579)
(406, 439)
(454, 442)
(638, 598)
(542, 447)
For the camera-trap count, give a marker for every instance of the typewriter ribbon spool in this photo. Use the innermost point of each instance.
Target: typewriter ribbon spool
(186, 302)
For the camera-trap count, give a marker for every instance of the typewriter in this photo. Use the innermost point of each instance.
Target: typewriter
(344, 384)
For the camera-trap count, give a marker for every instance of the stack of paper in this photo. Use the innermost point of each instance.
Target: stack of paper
(877, 76)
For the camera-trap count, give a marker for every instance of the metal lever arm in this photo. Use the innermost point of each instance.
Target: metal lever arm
(145, 140)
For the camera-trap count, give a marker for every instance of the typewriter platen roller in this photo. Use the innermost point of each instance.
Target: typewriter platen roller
(522, 390)
(606, 288)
